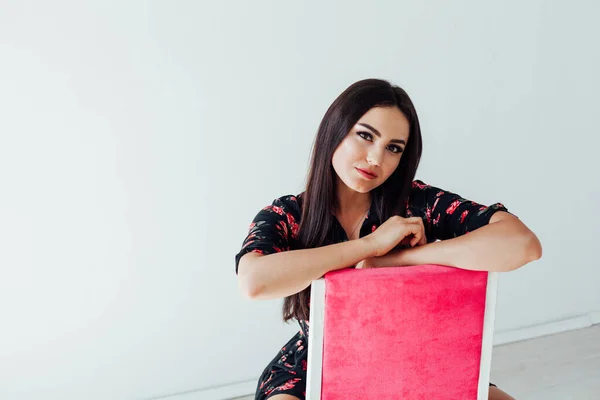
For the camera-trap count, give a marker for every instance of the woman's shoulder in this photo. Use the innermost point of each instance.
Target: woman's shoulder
(292, 199)
(420, 187)
(288, 204)
(422, 194)
(419, 184)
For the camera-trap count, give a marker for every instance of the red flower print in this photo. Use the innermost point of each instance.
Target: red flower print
(289, 384)
(268, 380)
(281, 225)
(290, 218)
(437, 219)
(439, 194)
(463, 216)
(373, 228)
(304, 365)
(293, 225)
(453, 207)
(428, 214)
(435, 203)
(277, 210)
(419, 185)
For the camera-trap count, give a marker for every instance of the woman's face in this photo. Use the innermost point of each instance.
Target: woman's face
(374, 145)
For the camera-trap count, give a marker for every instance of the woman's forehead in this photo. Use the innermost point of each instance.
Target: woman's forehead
(390, 122)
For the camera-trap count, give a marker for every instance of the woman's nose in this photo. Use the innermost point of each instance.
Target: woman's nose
(374, 157)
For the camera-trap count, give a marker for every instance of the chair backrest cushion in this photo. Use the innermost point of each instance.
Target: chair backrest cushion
(403, 333)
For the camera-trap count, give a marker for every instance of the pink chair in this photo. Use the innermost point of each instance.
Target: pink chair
(420, 332)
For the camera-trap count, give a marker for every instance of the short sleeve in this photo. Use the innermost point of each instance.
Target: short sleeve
(445, 214)
(273, 230)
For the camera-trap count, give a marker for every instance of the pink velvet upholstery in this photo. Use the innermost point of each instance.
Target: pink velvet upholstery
(403, 333)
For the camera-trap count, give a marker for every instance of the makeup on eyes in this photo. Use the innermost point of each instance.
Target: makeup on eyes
(370, 137)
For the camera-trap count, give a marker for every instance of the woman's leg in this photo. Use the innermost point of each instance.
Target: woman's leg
(283, 397)
(497, 394)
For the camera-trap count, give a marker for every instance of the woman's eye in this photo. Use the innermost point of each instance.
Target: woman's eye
(396, 149)
(365, 135)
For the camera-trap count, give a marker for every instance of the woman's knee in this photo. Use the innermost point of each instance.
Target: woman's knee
(498, 394)
(284, 397)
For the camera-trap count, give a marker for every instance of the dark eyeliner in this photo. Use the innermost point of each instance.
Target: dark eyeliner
(365, 133)
(370, 136)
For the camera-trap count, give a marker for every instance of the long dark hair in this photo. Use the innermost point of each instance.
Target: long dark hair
(320, 195)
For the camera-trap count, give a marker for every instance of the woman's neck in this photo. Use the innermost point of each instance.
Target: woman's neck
(351, 203)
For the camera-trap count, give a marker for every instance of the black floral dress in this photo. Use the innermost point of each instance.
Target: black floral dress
(275, 228)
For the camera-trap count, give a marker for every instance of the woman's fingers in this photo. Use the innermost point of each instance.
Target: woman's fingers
(398, 231)
(417, 231)
(423, 240)
(418, 237)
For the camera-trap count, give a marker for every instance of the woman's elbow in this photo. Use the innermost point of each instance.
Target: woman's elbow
(531, 251)
(250, 289)
(247, 289)
(534, 247)
(246, 280)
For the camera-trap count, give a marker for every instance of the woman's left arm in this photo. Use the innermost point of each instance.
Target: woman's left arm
(504, 244)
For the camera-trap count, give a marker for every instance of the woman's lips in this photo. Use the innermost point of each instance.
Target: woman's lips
(366, 174)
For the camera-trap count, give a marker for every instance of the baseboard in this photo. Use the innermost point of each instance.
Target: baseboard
(247, 388)
(516, 335)
(595, 317)
(224, 392)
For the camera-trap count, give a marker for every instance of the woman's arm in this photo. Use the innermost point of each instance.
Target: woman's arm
(285, 273)
(504, 244)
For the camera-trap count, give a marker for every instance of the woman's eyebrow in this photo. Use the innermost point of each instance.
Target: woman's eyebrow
(375, 131)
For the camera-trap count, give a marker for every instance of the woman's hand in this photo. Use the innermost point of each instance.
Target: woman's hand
(396, 230)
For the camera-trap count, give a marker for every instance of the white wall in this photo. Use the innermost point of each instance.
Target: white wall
(139, 139)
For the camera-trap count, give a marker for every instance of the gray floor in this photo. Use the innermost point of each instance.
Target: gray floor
(565, 366)
(561, 366)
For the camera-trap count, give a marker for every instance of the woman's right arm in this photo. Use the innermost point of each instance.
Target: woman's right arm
(288, 272)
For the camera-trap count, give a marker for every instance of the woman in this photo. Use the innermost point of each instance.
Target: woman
(362, 208)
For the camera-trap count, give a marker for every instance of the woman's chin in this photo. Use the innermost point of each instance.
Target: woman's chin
(362, 188)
